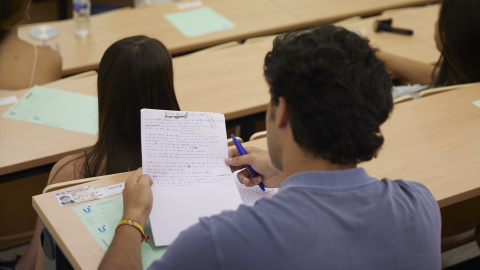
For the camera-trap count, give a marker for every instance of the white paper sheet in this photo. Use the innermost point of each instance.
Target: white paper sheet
(250, 195)
(184, 154)
(8, 100)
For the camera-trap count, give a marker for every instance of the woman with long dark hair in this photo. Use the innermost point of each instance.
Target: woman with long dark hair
(134, 73)
(457, 36)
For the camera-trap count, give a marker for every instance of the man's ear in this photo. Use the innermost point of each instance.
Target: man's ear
(282, 113)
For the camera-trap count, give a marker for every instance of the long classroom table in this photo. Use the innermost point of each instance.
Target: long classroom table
(251, 18)
(228, 81)
(420, 46)
(434, 141)
(236, 90)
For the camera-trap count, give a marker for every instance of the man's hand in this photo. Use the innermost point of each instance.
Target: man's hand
(137, 197)
(125, 249)
(260, 162)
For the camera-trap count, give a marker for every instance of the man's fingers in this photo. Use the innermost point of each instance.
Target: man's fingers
(151, 182)
(239, 161)
(244, 178)
(145, 180)
(233, 153)
(134, 177)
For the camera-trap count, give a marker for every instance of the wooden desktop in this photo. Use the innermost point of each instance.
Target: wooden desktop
(433, 141)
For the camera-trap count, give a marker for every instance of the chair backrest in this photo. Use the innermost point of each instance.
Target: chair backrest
(402, 99)
(216, 48)
(348, 21)
(230, 141)
(260, 39)
(437, 90)
(80, 75)
(67, 184)
(258, 135)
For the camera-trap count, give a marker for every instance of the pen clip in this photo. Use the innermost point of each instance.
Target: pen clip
(210, 119)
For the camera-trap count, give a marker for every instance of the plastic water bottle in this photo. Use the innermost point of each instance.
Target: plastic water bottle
(81, 17)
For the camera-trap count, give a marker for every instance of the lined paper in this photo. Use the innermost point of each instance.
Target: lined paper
(184, 154)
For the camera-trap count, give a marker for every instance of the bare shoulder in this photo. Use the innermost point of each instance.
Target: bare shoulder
(67, 169)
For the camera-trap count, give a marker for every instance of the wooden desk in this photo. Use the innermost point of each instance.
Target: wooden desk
(66, 228)
(422, 153)
(434, 141)
(69, 233)
(310, 12)
(420, 46)
(204, 82)
(228, 81)
(252, 18)
(25, 145)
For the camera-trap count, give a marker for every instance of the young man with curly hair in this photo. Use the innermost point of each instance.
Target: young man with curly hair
(329, 96)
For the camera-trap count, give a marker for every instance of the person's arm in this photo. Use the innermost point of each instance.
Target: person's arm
(260, 162)
(407, 69)
(125, 250)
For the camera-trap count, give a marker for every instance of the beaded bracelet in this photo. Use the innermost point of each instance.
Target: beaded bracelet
(134, 224)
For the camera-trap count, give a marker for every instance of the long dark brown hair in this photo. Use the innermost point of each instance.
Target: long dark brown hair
(12, 12)
(459, 30)
(134, 73)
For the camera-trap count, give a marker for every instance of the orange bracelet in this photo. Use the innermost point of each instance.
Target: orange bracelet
(134, 224)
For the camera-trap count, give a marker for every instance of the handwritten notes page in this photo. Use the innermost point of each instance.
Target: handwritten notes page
(184, 153)
(250, 195)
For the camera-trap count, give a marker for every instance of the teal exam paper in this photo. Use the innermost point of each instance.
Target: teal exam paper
(200, 21)
(57, 108)
(477, 103)
(101, 219)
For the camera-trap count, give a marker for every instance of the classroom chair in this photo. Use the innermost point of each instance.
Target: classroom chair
(67, 184)
(404, 9)
(216, 48)
(230, 141)
(80, 75)
(348, 21)
(258, 135)
(260, 39)
(48, 252)
(402, 99)
(459, 222)
(437, 90)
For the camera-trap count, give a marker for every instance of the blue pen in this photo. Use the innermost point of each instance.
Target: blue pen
(242, 152)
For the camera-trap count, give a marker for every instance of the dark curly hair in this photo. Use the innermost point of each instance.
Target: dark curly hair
(338, 92)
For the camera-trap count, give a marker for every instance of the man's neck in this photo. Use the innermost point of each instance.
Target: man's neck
(296, 160)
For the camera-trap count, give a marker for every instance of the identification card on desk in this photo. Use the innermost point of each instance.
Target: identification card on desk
(78, 195)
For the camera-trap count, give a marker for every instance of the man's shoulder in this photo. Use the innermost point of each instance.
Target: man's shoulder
(413, 192)
(410, 186)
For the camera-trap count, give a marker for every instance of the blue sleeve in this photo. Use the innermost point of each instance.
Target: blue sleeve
(193, 249)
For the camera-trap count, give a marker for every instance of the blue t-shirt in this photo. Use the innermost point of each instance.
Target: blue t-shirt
(319, 220)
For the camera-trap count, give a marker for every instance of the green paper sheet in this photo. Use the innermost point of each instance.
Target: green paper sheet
(101, 219)
(200, 21)
(57, 108)
(477, 103)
